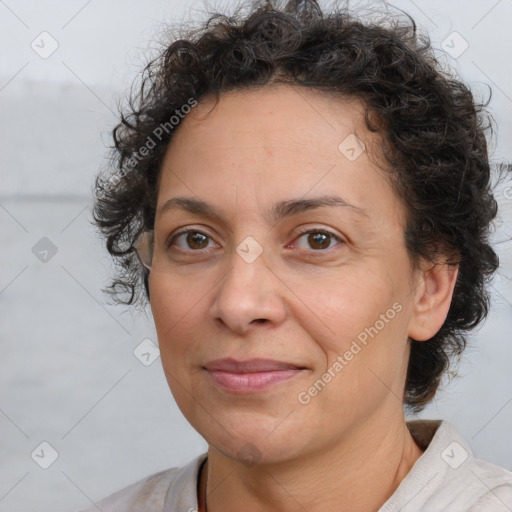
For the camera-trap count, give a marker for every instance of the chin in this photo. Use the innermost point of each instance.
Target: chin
(257, 448)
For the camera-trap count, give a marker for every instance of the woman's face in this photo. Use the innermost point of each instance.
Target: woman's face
(332, 308)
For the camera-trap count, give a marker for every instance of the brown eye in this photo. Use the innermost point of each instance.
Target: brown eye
(318, 240)
(191, 240)
(196, 240)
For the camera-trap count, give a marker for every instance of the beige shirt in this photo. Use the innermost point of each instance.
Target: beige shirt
(445, 478)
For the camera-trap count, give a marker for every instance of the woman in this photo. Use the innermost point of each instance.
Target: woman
(304, 200)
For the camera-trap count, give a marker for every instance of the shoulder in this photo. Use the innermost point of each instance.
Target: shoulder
(448, 478)
(465, 483)
(489, 487)
(155, 492)
(477, 485)
(147, 493)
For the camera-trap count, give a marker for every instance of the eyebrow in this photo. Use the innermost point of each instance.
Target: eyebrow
(278, 211)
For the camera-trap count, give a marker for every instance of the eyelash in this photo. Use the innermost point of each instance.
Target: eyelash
(300, 234)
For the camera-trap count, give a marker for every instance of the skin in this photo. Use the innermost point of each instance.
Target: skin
(349, 447)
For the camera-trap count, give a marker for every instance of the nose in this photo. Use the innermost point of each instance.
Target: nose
(250, 294)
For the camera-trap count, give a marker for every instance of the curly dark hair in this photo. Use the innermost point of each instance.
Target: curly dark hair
(433, 132)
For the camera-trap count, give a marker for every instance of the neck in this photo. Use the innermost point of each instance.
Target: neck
(359, 474)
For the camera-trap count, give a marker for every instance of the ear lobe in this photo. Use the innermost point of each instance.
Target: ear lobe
(432, 301)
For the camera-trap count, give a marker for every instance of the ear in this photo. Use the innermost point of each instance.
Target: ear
(433, 296)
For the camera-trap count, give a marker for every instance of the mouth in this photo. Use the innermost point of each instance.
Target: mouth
(252, 375)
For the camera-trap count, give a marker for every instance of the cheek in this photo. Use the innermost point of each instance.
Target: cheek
(173, 311)
(340, 306)
(365, 348)
(171, 300)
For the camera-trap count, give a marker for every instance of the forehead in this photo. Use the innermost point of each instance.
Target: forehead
(274, 115)
(272, 144)
(304, 127)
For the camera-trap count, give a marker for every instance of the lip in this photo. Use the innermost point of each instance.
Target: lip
(250, 365)
(252, 375)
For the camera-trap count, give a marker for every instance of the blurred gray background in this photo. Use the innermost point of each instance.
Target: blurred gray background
(69, 376)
